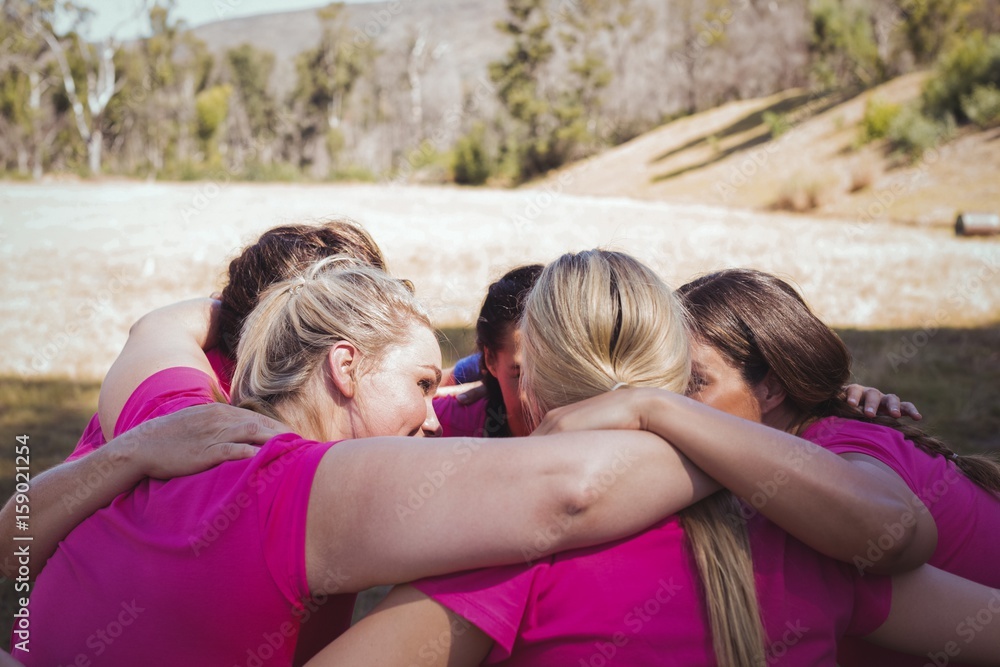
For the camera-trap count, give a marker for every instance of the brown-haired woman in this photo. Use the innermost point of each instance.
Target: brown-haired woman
(759, 353)
(70, 492)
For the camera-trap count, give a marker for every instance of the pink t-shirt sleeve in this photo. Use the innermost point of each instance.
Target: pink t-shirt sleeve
(493, 599)
(282, 481)
(91, 440)
(847, 436)
(872, 601)
(164, 393)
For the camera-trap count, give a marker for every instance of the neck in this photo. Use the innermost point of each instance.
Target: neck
(316, 414)
(784, 418)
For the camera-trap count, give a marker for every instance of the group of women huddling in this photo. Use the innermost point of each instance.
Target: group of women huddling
(653, 477)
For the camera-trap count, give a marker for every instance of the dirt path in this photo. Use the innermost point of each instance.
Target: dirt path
(80, 262)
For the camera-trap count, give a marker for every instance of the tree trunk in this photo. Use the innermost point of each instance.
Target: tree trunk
(94, 151)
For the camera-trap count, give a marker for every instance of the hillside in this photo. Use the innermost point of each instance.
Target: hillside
(727, 156)
(464, 27)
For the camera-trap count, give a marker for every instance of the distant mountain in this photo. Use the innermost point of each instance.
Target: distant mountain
(461, 33)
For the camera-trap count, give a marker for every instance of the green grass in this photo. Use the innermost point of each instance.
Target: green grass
(950, 374)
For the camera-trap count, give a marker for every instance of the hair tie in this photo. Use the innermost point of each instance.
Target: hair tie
(954, 456)
(297, 283)
(620, 384)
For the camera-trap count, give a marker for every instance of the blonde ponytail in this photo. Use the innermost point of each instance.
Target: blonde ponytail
(600, 319)
(286, 337)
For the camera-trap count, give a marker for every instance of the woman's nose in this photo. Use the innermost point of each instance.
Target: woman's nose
(431, 425)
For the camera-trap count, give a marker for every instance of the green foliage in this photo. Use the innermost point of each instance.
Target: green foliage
(211, 107)
(912, 133)
(928, 25)
(842, 44)
(251, 70)
(777, 123)
(982, 106)
(471, 164)
(877, 120)
(972, 62)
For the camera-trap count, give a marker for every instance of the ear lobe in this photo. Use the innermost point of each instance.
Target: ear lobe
(341, 362)
(770, 393)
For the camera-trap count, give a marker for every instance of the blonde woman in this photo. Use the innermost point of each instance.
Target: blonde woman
(223, 567)
(703, 588)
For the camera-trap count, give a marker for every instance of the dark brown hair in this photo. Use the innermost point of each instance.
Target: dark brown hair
(759, 323)
(282, 253)
(498, 317)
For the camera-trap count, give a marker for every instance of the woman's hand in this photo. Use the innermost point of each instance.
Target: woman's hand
(198, 438)
(623, 409)
(466, 394)
(873, 402)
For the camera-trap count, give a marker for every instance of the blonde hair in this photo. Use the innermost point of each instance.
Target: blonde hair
(287, 336)
(598, 319)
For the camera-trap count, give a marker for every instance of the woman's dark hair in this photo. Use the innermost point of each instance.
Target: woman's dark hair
(499, 316)
(282, 253)
(759, 323)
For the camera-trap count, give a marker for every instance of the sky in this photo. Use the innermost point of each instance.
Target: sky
(110, 16)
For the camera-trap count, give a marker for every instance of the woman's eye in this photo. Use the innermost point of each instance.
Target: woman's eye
(696, 384)
(426, 385)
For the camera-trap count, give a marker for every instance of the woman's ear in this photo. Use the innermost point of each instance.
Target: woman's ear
(490, 361)
(770, 393)
(342, 362)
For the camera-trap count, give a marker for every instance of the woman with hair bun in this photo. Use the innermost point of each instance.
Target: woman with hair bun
(280, 253)
(224, 566)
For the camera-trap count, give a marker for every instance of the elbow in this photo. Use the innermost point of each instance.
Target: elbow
(901, 544)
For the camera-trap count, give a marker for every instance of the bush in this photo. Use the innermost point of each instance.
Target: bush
(982, 106)
(878, 117)
(471, 163)
(913, 133)
(777, 123)
(973, 62)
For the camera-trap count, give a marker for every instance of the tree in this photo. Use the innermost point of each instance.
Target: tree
(843, 44)
(517, 78)
(28, 116)
(326, 76)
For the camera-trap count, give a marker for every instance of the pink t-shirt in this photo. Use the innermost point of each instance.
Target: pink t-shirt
(460, 421)
(967, 516)
(201, 570)
(93, 436)
(639, 602)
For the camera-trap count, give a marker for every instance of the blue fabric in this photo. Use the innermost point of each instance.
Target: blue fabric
(467, 369)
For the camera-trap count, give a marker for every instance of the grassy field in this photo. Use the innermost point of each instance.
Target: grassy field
(952, 378)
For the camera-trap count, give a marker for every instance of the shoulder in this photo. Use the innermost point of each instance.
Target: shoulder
(165, 392)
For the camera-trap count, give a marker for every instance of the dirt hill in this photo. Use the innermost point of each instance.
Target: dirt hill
(728, 156)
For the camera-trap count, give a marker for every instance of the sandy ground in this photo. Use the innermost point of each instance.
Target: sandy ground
(82, 261)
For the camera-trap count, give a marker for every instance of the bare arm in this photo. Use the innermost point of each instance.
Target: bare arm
(169, 337)
(833, 504)
(175, 445)
(389, 510)
(935, 613)
(408, 628)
